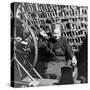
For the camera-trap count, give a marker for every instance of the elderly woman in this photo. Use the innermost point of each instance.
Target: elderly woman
(60, 52)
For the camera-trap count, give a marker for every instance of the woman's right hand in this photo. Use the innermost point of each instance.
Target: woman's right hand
(43, 33)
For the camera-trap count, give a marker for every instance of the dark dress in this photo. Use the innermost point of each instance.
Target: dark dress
(62, 53)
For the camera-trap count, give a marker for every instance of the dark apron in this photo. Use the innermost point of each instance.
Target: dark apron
(54, 66)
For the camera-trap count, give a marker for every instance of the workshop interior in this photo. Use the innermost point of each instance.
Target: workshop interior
(29, 60)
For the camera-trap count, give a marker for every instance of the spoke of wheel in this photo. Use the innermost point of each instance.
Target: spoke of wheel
(24, 69)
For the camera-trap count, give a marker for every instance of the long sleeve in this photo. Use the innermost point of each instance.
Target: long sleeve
(68, 49)
(42, 44)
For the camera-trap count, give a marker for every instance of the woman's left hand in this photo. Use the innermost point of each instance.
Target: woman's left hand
(74, 60)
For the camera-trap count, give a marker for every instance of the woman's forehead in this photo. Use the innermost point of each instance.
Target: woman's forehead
(57, 25)
(57, 31)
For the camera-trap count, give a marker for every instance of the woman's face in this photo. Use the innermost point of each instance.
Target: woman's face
(57, 31)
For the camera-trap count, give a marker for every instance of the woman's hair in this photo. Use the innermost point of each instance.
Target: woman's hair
(53, 26)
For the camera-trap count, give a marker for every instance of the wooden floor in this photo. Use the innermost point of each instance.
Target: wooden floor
(42, 82)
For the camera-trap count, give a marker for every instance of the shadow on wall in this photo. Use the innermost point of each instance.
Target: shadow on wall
(82, 58)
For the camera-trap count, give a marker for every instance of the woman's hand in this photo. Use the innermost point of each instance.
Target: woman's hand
(43, 33)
